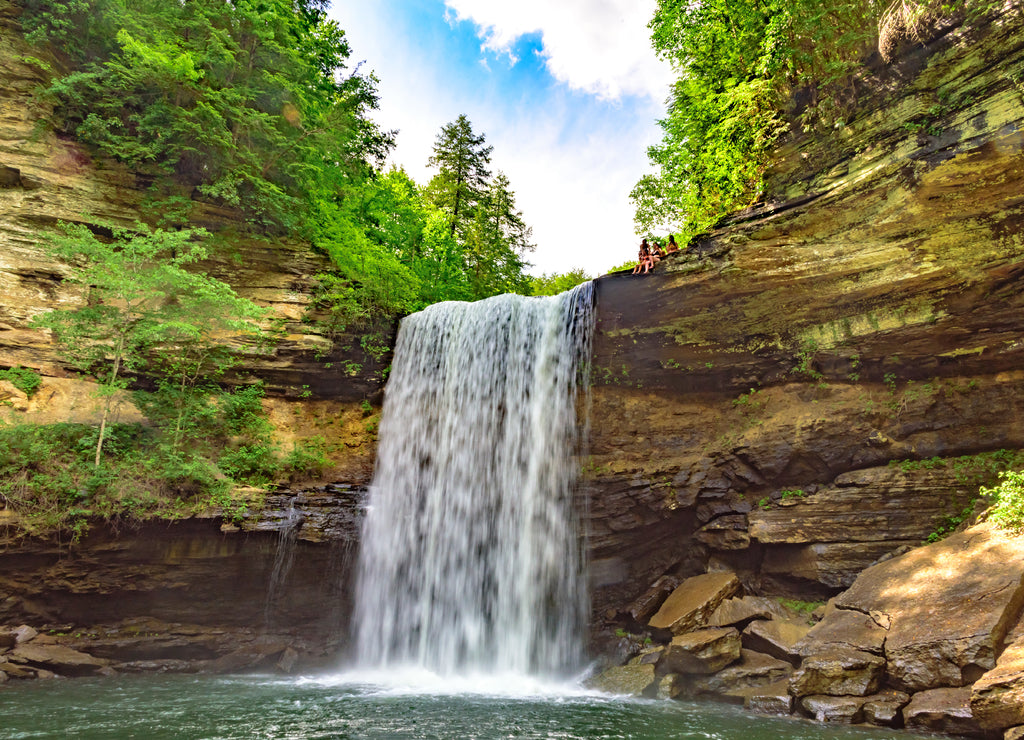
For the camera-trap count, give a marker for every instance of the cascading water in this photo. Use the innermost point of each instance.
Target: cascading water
(471, 558)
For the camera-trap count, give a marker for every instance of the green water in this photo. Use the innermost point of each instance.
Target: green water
(155, 707)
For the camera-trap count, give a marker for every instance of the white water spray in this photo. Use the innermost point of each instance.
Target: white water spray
(471, 558)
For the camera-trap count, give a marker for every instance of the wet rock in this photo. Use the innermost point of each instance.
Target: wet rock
(949, 606)
(625, 680)
(287, 661)
(838, 672)
(693, 602)
(771, 699)
(775, 638)
(997, 698)
(751, 670)
(883, 709)
(158, 666)
(13, 670)
(702, 651)
(647, 656)
(60, 659)
(836, 709)
(942, 710)
(670, 686)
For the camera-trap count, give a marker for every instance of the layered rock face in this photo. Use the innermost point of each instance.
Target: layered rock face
(273, 591)
(45, 179)
(819, 386)
(791, 397)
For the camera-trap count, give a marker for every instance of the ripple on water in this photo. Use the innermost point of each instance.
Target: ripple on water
(354, 706)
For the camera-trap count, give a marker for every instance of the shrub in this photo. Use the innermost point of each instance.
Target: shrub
(1007, 497)
(24, 379)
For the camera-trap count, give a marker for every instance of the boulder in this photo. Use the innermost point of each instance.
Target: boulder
(693, 602)
(287, 661)
(7, 640)
(838, 672)
(837, 709)
(997, 699)
(883, 709)
(650, 655)
(670, 686)
(647, 604)
(942, 710)
(1014, 733)
(625, 680)
(13, 670)
(59, 659)
(843, 628)
(775, 638)
(704, 651)
(949, 606)
(740, 611)
(771, 699)
(24, 633)
(751, 670)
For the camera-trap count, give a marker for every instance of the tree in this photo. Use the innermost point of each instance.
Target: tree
(498, 242)
(556, 283)
(462, 180)
(737, 63)
(144, 312)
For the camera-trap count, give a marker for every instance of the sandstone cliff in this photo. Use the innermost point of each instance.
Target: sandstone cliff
(752, 394)
(46, 179)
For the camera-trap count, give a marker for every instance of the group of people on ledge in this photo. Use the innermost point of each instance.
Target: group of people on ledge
(652, 253)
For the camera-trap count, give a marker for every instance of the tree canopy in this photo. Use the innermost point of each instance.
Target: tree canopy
(737, 63)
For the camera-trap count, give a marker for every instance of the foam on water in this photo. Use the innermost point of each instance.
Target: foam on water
(471, 559)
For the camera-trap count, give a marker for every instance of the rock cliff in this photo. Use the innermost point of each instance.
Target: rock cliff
(826, 376)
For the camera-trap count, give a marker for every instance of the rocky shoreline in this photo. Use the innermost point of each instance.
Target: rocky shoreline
(930, 640)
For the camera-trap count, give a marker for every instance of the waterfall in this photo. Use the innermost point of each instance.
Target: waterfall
(471, 557)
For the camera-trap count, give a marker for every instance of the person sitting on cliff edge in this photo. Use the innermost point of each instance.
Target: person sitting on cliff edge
(671, 246)
(644, 259)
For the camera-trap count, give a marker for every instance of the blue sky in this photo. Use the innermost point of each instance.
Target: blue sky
(566, 91)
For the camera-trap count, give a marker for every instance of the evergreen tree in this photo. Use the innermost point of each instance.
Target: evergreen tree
(461, 183)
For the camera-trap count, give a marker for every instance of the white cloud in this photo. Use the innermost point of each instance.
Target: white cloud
(601, 47)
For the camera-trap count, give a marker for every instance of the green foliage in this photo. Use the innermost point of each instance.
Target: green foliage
(737, 63)
(804, 608)
(557, 283)
(24, 379)
(1007, 497)
(308, 457)
(145, 313)
(251, 103)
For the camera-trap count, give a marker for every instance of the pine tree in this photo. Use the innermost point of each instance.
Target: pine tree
(462, 181)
